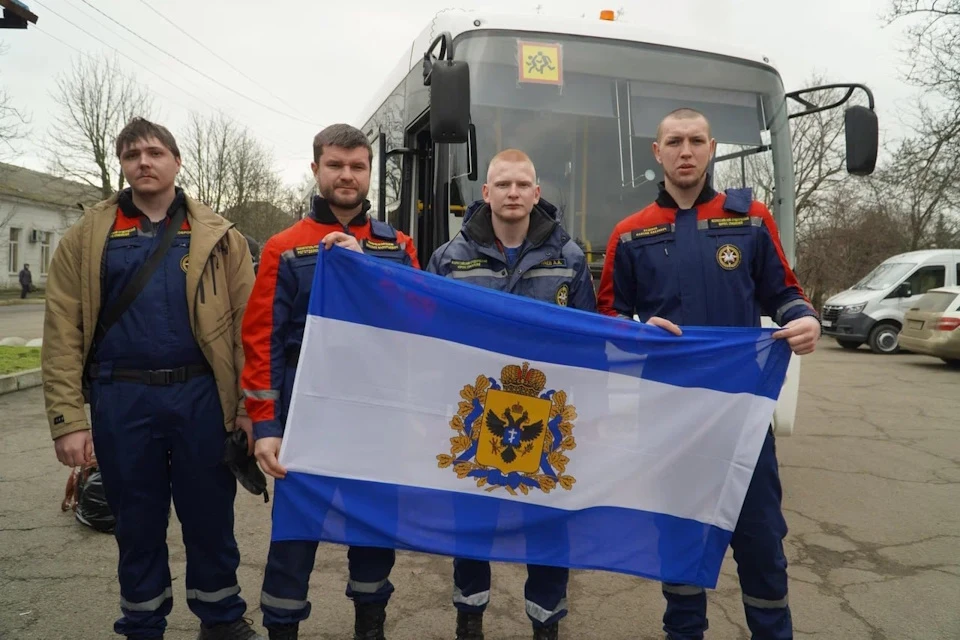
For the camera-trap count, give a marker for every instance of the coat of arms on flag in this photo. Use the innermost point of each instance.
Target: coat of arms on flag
(512, 434)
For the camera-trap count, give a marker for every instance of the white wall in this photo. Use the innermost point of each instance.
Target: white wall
(28, 216)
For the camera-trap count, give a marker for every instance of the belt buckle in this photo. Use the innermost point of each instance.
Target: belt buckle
(162, 377)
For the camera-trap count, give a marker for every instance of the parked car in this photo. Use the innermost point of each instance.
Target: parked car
(872, 311)
(932, 327)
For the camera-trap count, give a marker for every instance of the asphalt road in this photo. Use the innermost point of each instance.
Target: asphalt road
(22, 320)
(871, 492)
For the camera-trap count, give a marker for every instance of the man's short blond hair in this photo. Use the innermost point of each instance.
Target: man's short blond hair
(683, 113)
(511, 155)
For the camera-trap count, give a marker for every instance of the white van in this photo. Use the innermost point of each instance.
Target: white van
(872, 310)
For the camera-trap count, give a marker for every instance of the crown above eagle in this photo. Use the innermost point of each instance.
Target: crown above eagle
(523, 380)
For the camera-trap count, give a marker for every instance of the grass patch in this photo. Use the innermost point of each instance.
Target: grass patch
(14, 359)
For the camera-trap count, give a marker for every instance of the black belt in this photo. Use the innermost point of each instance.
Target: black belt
(156, 377)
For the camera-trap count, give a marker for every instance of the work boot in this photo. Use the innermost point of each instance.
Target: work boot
(237, 630)
(284, 631)
(469, 626)
(368, 624)
(550, 632)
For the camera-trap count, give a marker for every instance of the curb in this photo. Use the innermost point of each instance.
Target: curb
(18, 302)
(20, 380)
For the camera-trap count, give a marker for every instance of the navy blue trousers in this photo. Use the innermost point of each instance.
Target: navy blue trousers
(286, 580)
(152, 442)
(761, 564)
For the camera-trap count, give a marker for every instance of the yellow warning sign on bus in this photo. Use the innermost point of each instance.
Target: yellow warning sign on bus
(540, 62)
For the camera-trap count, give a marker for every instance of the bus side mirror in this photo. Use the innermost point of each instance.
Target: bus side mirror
(450, 102)
(862, 135)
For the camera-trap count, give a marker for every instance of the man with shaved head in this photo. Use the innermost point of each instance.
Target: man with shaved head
(512, 241)
(701, 258)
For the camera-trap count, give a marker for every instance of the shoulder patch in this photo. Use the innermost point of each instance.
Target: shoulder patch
(738, 200)
(306, 250)
(123, 233)
(382, 230)
(467, 265)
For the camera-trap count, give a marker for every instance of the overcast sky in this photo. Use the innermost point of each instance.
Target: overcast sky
(321, 61)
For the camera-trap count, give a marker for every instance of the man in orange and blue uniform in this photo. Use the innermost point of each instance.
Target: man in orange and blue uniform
(701, 258)
(273, 329)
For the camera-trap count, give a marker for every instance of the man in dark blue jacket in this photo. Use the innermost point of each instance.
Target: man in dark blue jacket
(702, 258)
(512, 241)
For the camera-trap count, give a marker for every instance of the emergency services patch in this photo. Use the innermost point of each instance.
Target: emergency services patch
(563, 295)
(378, 245)
(468, 265)
(185, 262)
(123, 233)
(651, 231)
(307, 250)
(553, 263)
(728, 257)
(727, 223)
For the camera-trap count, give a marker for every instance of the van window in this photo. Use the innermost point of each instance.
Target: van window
(926, 278)
(884, 275)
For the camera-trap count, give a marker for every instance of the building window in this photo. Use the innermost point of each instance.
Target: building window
(13, 261)
(45, 238)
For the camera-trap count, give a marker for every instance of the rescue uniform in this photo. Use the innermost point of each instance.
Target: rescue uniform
(549, 266)
(273, 329)
(718, 263)
(163, 384)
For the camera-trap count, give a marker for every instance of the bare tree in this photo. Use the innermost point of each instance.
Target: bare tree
(206, 149)
(920, 183)
(96, 99)
(934, 33)
(13, 121)
(225, 166)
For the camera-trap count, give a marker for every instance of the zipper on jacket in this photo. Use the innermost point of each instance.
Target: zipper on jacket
(213, 274)
(203, 298)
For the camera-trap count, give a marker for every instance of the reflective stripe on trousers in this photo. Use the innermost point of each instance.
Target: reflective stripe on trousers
(147, 605)
(212, 596)
(538, 613)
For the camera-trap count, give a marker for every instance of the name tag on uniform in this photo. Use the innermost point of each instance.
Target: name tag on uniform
(123, 233)
(306, 250)
(650, 231)
(728, 223)
(468, 265)
(379, 245)
(553, 263)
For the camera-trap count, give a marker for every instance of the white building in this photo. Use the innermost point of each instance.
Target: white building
(35, 210)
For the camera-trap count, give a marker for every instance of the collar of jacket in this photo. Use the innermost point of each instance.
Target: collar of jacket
(130, 210)
(320, 212)
(666, 200)
(478, 224)
(197, 214)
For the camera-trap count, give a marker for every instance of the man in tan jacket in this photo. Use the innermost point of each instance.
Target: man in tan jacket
(162, 379)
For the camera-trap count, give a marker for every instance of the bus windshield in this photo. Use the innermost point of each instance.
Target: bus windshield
(586, 110)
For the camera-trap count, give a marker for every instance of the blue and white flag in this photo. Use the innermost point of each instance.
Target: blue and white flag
(437, 416)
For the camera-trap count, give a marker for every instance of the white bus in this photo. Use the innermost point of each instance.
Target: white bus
(583, 98)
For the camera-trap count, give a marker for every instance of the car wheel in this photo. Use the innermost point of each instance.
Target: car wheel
(885, 338)
(849, 344)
